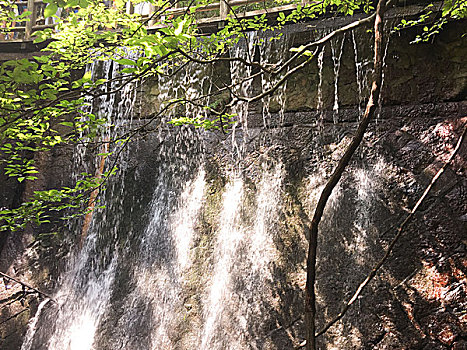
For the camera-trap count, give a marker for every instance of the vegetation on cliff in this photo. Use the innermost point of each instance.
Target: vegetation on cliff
(44, 101)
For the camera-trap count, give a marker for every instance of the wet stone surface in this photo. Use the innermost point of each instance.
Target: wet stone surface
(419, 298)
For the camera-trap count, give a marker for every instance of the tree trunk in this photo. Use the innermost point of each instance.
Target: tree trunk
(310, 297)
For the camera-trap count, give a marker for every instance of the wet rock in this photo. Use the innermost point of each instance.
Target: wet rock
(442, 326)
(434, 346)
(445, 183)
(418, 299)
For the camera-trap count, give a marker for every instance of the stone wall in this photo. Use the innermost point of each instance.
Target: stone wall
(418, 300)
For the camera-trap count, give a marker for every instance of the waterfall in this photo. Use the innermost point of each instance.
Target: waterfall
(275, 50)
(336, 50)
(241, 87)
(32, 326)
(363, 67)
(358, 73)
(85, 289)
(319, 104)
(242, 275)
(131, 277)
(185, 218)
(229, 236)
(385, 54)
(198, 226)
(152, 308)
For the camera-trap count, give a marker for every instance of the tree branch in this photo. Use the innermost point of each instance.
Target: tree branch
(27, 286)
(325, 39)
(310, 296)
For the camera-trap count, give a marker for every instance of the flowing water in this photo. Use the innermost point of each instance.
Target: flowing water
(85, 290)
(186, 254)
(337, 49)
(319, 104)
(241, 274)
(358, 73)
(123, 287)
(241, 88)
(273, 106)
(385, 54)
(362, 69)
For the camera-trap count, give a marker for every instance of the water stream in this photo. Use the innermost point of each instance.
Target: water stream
(385, 54)
(362, 69)
(130, 276)
(337, 50)
(85, 289)
(319, 103)
(241, 88)
(187, 250)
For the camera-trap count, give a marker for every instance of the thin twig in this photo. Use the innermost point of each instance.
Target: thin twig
(27, 286)
(325, 39)
(281, 327)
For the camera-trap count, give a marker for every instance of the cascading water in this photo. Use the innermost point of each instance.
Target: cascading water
(380, 97)
(336, 50)
(148, 294)
(276, 50)
(155, 270)
(319, 103)
(151, 309)
(29, 336)
(242, 273)
(102, 292)
(233, 302)
(241, 87)
(229, 237)
(358, 73)
(82, 298)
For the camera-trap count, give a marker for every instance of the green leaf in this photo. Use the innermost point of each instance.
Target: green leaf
(129, 70)
(72, 3)
(179, 28)
(126, 61)
(50, 10)
(42, 59)
(83, 3)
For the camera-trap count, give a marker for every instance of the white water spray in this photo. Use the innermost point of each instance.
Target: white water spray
(336, 59)
(319, 105)
(229, 236)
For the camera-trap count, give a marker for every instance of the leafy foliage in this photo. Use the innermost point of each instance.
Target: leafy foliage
(434, 19)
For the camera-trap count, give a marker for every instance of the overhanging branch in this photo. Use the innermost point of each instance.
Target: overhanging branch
(310, 296)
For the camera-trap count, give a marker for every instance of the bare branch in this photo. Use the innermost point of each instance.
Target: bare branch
(27, 286)
(224, 59)
(325, 39)
(281, 81)
(310, 297)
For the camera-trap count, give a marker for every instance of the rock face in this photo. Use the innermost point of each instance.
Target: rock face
(417, 301)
